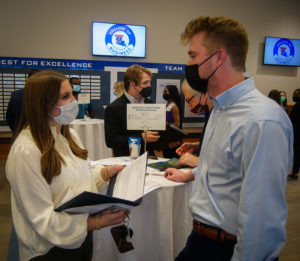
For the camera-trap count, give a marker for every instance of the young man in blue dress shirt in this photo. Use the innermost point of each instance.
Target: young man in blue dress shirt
(238, 197)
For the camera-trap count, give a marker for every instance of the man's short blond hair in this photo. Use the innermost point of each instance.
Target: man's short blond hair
(134, 74)
(220, 32)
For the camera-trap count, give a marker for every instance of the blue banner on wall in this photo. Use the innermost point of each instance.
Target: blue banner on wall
(19, 62)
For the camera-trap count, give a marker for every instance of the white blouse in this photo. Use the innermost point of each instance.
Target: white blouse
(33, 200)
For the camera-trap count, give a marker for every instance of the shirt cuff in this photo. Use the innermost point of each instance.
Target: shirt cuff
(100, 183)
(194, 170)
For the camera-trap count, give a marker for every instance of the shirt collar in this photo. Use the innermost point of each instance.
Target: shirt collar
(230, 96)
(132, 99)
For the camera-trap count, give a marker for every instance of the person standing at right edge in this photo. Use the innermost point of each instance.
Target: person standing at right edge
(238, 196)
(295, 119)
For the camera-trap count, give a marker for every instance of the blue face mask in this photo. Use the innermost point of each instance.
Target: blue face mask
(76, 88)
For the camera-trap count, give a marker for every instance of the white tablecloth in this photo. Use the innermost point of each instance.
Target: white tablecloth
(91, 132)
(161, 225)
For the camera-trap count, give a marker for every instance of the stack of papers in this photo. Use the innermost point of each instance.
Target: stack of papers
(126, 189)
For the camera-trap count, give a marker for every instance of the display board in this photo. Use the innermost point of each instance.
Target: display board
(97, 78)
(92, 82)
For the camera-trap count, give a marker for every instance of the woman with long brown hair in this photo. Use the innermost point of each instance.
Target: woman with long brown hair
(47, 162)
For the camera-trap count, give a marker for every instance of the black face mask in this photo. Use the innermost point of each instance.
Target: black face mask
(192, 76)
(146, 92)
(166, 96)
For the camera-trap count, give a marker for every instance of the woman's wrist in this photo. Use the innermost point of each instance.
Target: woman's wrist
(94, 223)
(91, 223)
(104, 174)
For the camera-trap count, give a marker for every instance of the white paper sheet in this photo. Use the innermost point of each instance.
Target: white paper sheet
(110, 161)
(131, 180)
(146, 116)
(83, 98)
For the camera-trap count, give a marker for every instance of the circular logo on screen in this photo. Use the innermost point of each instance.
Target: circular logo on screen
(284, 51)
(120, 40)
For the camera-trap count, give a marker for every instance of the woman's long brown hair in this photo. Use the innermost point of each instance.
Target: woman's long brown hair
(40, 96)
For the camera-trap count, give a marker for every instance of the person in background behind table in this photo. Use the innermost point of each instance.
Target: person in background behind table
(283, 101)
(14, 107)
(137, 81)
(199, 103)
(84, 109)
(236, 189)
(173, 116)
(119, 89)
(46, 162)
(295, 119)
(275, 95)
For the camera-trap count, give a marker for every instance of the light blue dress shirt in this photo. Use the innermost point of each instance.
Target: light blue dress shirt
(241, 176)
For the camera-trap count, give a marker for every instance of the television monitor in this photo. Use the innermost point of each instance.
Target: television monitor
(122, 40)
(282, 51)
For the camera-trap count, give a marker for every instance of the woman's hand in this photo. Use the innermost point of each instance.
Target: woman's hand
(114, 169)
(107, 219)
(108, 172)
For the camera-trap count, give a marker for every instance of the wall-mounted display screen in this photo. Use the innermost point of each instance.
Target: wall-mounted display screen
(122, 40)
(282, 51)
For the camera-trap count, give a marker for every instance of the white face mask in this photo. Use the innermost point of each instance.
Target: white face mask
(68, 113)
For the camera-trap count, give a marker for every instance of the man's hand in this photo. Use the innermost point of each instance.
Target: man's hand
(178, 176)
(188, 159)
(185, 147)
(152, 136)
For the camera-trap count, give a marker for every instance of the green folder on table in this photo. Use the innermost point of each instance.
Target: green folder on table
(163, 165)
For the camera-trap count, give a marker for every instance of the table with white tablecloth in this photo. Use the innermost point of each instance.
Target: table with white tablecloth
(161, 224)
(91, 132)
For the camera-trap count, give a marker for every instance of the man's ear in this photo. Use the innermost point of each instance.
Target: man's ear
(132, 84)
(222, 55)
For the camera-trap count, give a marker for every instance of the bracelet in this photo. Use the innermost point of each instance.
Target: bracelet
(95, 225)
(104, 174)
